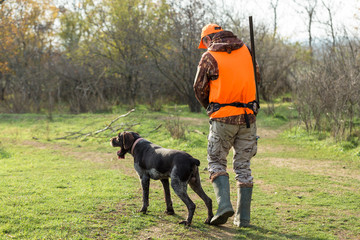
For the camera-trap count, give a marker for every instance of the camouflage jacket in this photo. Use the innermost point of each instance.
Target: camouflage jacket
(208, 70)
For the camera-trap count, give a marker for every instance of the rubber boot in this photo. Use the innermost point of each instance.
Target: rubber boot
(222, 191)
(242, 215)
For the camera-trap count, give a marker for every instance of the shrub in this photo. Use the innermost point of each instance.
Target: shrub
(175, 128)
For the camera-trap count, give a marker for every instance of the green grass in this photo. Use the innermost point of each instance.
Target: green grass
(284, 113)
(306, 187)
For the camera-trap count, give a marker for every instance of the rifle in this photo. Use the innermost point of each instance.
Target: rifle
(254, 59)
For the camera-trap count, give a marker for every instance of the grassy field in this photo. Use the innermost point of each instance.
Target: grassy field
(305, 188)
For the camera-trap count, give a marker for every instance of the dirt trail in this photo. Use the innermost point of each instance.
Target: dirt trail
(110, 159)
(319, 167)
(325, 168)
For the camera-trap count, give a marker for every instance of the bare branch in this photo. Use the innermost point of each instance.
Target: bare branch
(78, 134)
(155, 129)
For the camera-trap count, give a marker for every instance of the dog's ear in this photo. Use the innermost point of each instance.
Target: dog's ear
(128, 140)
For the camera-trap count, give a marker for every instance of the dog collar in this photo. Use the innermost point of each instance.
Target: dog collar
(133, 146)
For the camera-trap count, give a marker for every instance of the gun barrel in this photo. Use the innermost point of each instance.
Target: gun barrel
(253, 55)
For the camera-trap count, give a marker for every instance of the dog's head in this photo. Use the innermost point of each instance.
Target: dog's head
(124, 140)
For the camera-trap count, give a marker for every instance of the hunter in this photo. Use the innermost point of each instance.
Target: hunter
(225, 86)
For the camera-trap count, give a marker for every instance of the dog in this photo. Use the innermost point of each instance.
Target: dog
(154, 162)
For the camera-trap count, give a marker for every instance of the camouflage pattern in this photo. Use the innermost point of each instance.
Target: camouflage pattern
(221, 138)
(224, 41)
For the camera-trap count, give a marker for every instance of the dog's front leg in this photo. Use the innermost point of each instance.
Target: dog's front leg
(145, 183)
(169, 207)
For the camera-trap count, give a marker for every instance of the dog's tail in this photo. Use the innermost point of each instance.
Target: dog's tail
(196, 162)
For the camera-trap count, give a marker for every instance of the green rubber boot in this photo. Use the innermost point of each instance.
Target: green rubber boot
(242, 215)
(222, 191)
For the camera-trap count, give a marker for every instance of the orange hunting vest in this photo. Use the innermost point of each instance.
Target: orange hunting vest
(236, 82)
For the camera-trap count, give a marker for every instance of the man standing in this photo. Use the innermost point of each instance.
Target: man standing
(225, 86)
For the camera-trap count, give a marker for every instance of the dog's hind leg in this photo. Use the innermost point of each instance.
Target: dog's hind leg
(145, 183)
(169, 206)
(180, 188)
(195, 184)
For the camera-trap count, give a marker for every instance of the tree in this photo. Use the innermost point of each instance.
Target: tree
(26, 28)
(309, 9)
(329, 6)
(274, 5)
(177, 54)
(276, 60)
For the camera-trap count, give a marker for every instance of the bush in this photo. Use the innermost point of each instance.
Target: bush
(351, 143)
(175, 128)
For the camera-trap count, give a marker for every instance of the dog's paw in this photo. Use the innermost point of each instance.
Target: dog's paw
(170, 211)
(207, 221)
(185, 223)
(143, 211)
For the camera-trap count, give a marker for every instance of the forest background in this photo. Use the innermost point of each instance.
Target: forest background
(89, 56)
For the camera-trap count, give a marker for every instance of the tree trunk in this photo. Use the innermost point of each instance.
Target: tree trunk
(193, 104)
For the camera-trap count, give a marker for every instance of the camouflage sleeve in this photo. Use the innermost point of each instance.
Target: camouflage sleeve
(207, 70)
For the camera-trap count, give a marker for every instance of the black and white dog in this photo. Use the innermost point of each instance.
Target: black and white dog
(154, 162)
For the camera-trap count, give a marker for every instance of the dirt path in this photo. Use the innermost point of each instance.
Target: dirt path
(109, 159)
(325, 168)
(319, 167)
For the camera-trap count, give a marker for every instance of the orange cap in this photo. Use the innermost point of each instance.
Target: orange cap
(209, 29)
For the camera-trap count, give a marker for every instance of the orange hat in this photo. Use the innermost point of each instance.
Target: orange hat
(209, 29)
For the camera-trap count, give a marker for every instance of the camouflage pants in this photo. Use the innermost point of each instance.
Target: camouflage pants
(221, 138)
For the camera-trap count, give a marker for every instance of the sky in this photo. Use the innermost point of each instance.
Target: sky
(291, 23)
